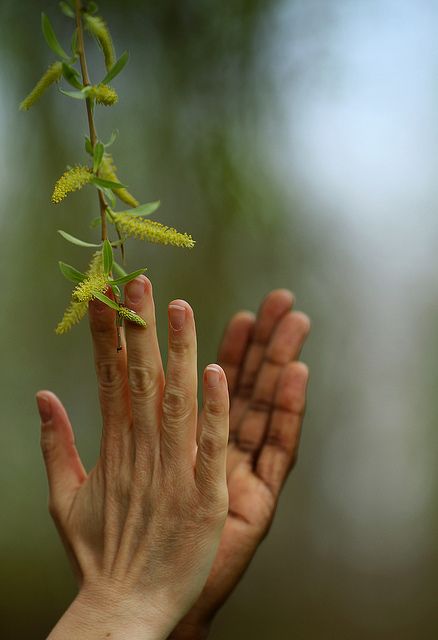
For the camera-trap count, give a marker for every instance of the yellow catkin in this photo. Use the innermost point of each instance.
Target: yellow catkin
(152, 231)
(128, 314)
(108, 171)
(72, 180)
(77, 310)
(84, 291)
(52, 75)
(99, 29)
(104, 94)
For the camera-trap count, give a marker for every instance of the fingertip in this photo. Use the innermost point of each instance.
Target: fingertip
(44, 406)
(136, 290)
(213, 376)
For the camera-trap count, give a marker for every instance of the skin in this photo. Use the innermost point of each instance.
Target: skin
(142, 528)
(267, 388)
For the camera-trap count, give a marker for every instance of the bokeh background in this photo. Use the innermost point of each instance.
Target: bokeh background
(297, 140)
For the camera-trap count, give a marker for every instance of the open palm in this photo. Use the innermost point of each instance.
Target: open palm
(267, 391)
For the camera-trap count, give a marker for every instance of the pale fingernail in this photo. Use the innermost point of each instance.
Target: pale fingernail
(212, 374)
(177, 316)
(44, 408)
(135, 290)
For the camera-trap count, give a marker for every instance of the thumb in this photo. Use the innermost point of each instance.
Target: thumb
(65, 472)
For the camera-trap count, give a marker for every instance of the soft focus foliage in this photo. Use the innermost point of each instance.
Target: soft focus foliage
(298, 142)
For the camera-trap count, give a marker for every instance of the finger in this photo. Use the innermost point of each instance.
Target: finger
(65, 472)
(110, 367)
(234, 345)
(212, 448)
(145, 369)
(279, 451)
(285, 345)
(273, 308)
(179, 407)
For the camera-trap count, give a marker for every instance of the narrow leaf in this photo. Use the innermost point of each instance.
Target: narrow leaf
(71, 273)
(103, 298)
(107, 257)
(107, 184)
(92, 7)
(116, 68)
(74, 44)
(143, 209)
(71, 75)
(66, 9)
(78, 95)
(88, 147)
(73, 240)
(115, 289)
(97, 156)
(51, 38)
(112, 139)
(128, 277)
(119, 269)
(112, 199)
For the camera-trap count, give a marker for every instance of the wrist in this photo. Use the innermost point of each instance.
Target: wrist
(93, 616)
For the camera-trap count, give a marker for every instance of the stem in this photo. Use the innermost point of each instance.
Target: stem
(89, 104)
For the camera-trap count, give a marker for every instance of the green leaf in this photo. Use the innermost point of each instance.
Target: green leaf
(103, 298)
(71, 75)
(107, 184)
(74, 44)
(66, 9)
(107, 257)
(71, 273)
(78, 95)
(115, 289)
(92, 7)
(119, 269)
(143, 209)
(112, 139)
(51, 38)
(111, 197)
(128, 277)
(88, 147)
(73, 240)
(97, 156)
(116, 68)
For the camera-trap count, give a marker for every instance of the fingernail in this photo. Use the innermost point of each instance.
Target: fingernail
(44, 408)
(212, 374)
(135, 290)
(177, 316)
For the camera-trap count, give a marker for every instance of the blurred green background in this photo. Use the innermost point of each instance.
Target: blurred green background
(297, 140)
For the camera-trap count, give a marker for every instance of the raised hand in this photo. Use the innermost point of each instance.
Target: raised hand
(142, 528)
(267, 390)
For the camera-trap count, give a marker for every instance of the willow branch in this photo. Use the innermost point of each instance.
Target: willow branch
(89, 104)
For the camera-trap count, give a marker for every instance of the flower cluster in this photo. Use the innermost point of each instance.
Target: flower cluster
(52, 75)
(72, 180)
(78, 309)
(98, 28)
(103, 94)
(152, 231)
(128, 314)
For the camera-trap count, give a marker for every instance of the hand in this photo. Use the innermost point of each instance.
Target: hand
(142, 528)
(267, 390)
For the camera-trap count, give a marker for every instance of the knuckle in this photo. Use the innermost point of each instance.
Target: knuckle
(216, 408)
(179, 346)
(176, 404)
(143, 380)
(109, 375)
(212, 444)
